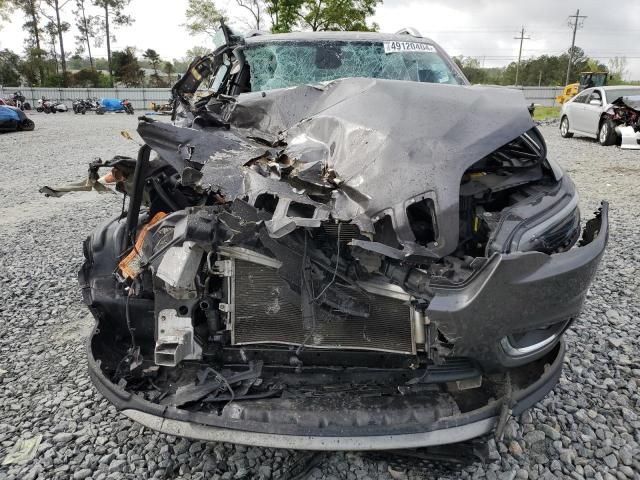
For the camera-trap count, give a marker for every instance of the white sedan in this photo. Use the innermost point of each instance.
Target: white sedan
(585, 115)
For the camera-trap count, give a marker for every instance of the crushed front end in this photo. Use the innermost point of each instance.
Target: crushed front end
(624, 113)
(369, 264)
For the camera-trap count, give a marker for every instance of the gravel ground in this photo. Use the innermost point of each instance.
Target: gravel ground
(588, 427)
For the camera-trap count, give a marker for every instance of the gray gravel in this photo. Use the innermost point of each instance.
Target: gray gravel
(588, 427)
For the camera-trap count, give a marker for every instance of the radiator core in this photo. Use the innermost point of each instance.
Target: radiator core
(262, 313)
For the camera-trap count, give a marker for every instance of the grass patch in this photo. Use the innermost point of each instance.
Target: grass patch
(546, 113)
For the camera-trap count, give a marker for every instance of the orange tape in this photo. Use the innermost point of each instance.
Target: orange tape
(130, 265)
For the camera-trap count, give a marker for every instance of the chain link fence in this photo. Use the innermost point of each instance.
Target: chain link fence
(142, 97)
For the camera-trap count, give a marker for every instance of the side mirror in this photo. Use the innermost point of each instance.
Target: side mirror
(595, 102)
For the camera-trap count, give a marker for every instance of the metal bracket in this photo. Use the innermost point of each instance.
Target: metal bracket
(175, 340)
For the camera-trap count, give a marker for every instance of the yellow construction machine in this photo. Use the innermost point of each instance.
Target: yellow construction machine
(587, 80)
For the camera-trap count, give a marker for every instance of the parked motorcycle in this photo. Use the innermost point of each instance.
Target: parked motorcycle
(83, 106)
(114, 105)
(51, 106)
(18, 100)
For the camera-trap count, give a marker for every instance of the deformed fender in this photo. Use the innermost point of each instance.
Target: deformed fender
(514, 293)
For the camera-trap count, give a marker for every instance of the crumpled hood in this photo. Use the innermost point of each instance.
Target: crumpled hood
(380, 145)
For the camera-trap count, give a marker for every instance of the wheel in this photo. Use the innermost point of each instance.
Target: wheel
(564, 128)
(83, 111)
(607, 133)
(53, 110)
(27, 125)
(99, 111)
(27, 106)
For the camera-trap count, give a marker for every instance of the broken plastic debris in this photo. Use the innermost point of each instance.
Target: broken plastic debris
(125, 134)
(23, 451)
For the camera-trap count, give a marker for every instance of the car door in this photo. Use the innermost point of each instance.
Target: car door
(592, 111)
(577, 116)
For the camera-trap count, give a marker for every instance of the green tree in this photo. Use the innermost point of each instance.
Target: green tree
(89, 77)
(169, 69)
(9, 68)
(196, 51)
(4, 11)
(283, 14)
(126, 68)
(471, 68)
(348, 15)
(112, 17)
(154, 60)
(31, 10)
(203, 16)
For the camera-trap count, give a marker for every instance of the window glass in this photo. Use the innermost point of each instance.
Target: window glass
(287, 64)
(614, 94)
(582, 98)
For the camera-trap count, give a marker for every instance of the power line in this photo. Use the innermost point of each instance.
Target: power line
(521, 38)
(576, 20)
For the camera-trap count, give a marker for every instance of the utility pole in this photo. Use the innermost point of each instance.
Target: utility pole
(521, 38)
(573, 23)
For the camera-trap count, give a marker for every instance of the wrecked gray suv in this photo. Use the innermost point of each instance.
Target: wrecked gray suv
(343, 245)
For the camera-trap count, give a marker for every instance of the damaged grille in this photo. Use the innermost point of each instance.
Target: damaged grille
(262, 313)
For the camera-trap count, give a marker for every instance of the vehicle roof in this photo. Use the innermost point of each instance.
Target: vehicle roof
(347, 36)
(619, 87)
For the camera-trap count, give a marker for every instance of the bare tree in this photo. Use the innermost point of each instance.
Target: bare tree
(256, 9)
(113, 16)
(618, 68)
(87, 29)
(59, 27)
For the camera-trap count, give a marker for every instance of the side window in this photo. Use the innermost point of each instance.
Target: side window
(582, 98)
(596, 96)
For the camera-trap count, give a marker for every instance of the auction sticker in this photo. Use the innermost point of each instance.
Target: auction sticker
(395, 47)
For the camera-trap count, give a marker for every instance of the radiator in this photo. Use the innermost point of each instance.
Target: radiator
(260, 311)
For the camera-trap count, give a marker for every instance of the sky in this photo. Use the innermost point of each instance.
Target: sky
(484, 29)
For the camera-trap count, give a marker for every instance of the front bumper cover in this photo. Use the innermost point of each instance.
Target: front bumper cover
(553, 285)
(210, 427)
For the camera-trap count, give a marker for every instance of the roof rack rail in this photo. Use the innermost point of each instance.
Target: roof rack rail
(409, 31)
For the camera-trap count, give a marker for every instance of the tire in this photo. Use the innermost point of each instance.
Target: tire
(607, 133)
(83, 111)
(99, 111)
(27, 125)
(564, 128)
(27, 106)
(53, 110)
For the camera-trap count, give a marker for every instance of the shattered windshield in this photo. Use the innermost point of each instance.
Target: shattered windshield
(287, 64)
